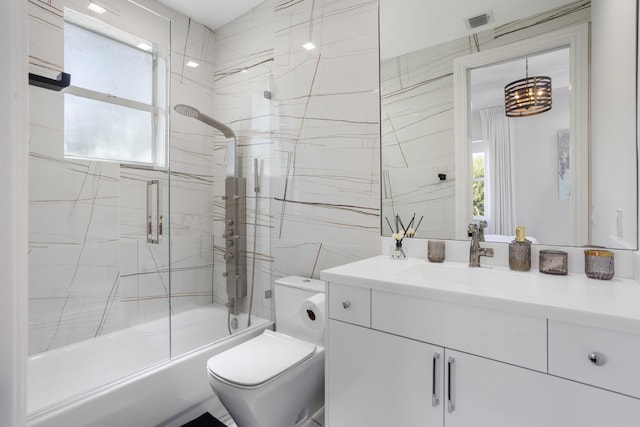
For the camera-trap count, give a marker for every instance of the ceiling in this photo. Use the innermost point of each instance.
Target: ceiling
(212, 13)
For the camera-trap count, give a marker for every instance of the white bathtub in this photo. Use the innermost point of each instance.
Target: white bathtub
(126, 378)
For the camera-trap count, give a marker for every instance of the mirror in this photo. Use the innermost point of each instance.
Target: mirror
(435, 72)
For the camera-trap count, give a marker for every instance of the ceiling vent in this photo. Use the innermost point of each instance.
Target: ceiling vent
(478, 21)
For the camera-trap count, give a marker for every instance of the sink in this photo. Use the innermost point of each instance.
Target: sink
(450, 272)
(426, 277)
(457, 275)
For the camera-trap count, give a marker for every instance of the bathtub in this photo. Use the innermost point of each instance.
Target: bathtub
(127, 378)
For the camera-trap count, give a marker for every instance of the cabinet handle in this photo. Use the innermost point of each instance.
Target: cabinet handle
(434, 393)
(597, 359)
(450, 405)
(346, 304)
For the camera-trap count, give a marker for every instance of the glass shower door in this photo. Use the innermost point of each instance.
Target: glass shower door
(98, 253)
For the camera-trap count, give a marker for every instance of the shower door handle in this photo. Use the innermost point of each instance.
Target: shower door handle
(154, 211)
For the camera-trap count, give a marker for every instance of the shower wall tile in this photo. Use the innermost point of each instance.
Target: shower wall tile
(72, 302)
(46, 53)
(144, 298)
(243, 71)
(325, 185)
(194, 148)
(80, 210)
(73, 234)
(322, 146)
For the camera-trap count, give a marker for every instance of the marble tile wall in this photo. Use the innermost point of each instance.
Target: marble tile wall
(418, 118)
(242, 74)
(325, 166)
(74, 275)
(316, 141)
(91, 269)
(193, 157)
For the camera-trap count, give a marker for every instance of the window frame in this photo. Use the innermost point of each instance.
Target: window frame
(159, 138)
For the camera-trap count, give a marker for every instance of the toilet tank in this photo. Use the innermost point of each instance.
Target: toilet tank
(289, 293)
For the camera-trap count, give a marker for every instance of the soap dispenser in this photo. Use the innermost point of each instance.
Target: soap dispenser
(520, 251)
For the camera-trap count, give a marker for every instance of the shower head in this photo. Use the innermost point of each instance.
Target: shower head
(187, 110)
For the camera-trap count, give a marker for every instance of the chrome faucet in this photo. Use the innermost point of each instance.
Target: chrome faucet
(475, 251)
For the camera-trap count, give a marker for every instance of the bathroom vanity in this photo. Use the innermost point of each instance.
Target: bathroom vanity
(411, 343)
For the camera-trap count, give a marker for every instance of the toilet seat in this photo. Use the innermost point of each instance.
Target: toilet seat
(259, 359)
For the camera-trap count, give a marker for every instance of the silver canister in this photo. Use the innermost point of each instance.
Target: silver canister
(599, 264)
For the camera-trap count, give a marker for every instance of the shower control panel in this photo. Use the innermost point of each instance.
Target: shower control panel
(234, 236)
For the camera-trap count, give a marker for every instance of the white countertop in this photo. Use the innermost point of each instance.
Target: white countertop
(610, 304)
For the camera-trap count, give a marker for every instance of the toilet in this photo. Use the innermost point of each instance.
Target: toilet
(277, 379)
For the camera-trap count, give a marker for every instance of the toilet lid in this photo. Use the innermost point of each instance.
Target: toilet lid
(259, 359)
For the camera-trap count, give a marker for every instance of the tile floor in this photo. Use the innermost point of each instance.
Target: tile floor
(316, 421)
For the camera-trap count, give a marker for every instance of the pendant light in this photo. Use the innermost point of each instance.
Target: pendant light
(528, 96)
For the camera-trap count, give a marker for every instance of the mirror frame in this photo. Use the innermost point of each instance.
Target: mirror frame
(577, 39)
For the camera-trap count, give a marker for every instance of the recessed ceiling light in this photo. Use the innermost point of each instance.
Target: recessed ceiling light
(244, 70)
(192, 64)
(309, 46)
(144, 46)
(97, 9)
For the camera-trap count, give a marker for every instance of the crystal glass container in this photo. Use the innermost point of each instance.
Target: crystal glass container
(435, 250)
(599, 264)
(554, 262)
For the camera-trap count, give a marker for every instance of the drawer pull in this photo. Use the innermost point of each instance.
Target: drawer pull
(597, 359)
(450, 405)
(434, 392)
(346, 304)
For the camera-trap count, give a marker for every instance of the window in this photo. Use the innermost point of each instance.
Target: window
(114, 109)
(478, 190)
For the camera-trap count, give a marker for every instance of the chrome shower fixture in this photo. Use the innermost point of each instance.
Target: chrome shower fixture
(235, 212)
(189, 111)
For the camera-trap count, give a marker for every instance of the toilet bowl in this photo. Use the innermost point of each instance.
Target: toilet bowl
(277, 379)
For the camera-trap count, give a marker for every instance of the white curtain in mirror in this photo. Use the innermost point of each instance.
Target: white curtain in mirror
(500, 196)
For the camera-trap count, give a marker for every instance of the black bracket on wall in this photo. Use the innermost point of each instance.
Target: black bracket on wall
(63, 81)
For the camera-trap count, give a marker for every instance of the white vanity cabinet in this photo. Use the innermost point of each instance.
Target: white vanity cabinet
(487, 393)
(379, 379)
(425, 362)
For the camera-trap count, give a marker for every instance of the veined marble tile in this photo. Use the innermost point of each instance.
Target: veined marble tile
(73, 291)
(192, 41)
(191, 287)
(307, 259)
(562, 17)
(46, 53)
(325, 168)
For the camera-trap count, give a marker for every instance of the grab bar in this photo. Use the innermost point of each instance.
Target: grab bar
(154, 211)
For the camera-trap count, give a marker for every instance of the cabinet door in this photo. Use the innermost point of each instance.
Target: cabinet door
(486, 393)
(376, 379)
